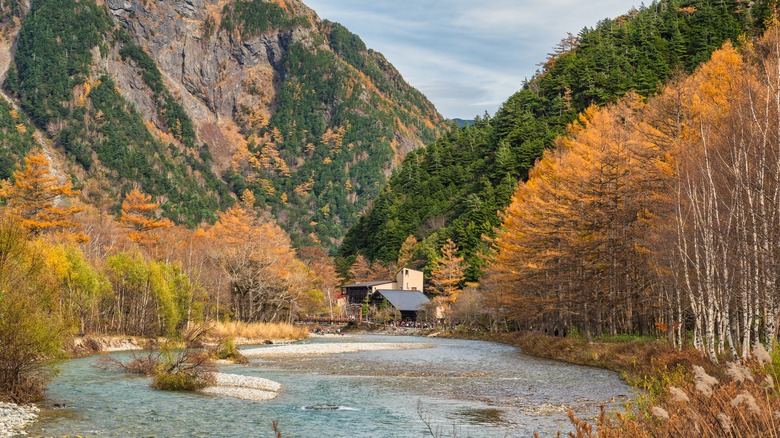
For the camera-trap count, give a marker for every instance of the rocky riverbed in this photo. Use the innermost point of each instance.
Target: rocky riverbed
(14, 418)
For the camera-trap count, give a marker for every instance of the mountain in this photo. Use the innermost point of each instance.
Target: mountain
(455, 187)
(462, 122)
(194, 101)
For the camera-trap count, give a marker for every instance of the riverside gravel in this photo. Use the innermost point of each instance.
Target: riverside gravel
(335, 348)
(14, 418)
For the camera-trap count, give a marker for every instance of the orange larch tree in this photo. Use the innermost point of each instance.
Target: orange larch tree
(265, 278)
(407, 252)
(38, 198)
(447, 275)
(361, 269)
(327, 279)
(570, 249)
(139, 215)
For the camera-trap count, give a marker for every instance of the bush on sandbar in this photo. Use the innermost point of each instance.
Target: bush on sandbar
(226, 350)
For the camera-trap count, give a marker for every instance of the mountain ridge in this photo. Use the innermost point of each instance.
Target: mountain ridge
(245, 94)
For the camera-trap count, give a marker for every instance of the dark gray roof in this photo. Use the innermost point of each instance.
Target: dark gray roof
(370, 283)
(405, 300)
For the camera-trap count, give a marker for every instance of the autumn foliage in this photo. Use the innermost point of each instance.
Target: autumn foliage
(162, 280)
(138, 214)
(571, 242)
(656, 216)
(447, 274)
(37, 196)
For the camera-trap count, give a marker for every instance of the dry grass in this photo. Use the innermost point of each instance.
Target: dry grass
(743, 404)
(258, 330)
(637, 360)
(684, 393)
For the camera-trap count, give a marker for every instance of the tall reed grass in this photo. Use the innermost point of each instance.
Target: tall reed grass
(740, 400)
(258, 330)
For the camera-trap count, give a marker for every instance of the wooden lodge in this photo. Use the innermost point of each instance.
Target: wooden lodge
(404, 294)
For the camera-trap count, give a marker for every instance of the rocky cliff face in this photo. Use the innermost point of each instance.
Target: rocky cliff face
(211, 72)
(258, 95)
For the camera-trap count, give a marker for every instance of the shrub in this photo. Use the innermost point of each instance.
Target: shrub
(740, 400)
(183, 370)
(32, 333)
(182, 381)
(226, 350)
(186, 371)
(147, 365)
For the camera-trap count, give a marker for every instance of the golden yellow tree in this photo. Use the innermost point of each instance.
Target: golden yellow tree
(361, 269)
(570, 250)
(447, 275)
(38, 198)
(139, 215)
(265, 278)
(406, 253)
(327, 278)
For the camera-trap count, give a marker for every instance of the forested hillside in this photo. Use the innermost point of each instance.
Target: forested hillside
(82, 109)
(195, 102)
(657, 216)
(454, 187)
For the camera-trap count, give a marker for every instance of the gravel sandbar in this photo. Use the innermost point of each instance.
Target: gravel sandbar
(244, 387)
(342, 347)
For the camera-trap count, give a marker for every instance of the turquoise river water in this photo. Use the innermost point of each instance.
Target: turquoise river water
(460, 388)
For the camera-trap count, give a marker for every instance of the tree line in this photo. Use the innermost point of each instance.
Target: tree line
(454, 187)
(657, 215)
(68, 269)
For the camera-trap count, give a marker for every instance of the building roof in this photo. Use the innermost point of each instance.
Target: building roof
(405, 300)
(370, 283)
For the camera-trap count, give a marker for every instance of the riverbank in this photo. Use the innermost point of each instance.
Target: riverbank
(683, 393)
(89, 345)
(14, 418)
(635, 359)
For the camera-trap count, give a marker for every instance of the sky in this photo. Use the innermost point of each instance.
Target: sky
(467, 56)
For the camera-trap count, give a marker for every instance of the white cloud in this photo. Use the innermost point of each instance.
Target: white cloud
(466, 56)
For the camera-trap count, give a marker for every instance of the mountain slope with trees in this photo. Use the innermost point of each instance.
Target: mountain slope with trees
(454, 187)
(195, 102)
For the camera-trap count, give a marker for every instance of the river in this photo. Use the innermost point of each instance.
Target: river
(459, 388)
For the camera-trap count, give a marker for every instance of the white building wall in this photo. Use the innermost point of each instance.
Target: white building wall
(409, 279)
(385, 286)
